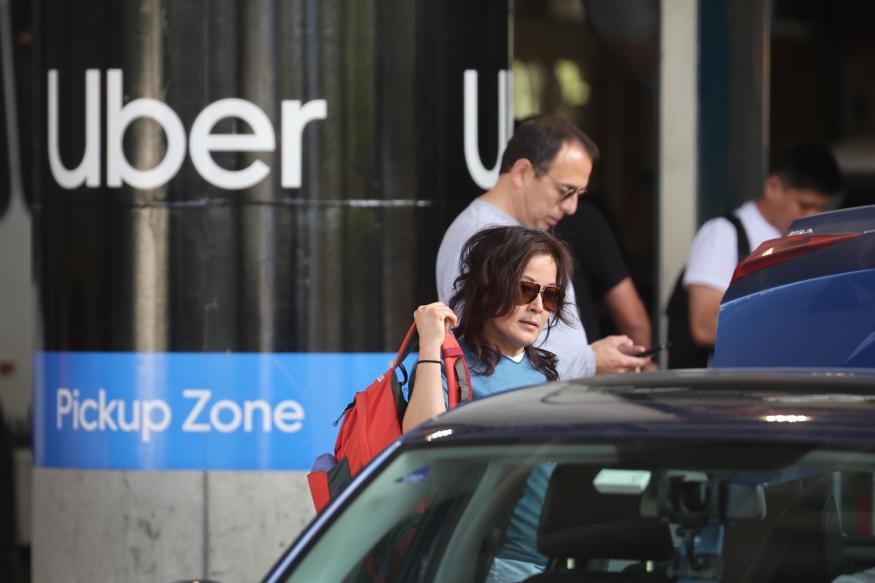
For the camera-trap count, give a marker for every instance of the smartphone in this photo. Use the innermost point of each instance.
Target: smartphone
(654, 350)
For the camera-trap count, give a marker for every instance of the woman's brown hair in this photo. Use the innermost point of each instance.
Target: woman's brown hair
(490, 271)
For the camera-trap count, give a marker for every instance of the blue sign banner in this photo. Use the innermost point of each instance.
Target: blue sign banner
(193, 411)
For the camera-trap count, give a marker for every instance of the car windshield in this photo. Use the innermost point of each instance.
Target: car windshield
(727, 511)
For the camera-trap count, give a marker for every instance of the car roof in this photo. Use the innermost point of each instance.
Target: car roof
(756, 405)
(855, 219)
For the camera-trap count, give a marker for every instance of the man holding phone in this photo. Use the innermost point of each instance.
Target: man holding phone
(545, 168)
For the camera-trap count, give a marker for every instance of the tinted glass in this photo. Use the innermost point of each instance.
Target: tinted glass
(505, 513)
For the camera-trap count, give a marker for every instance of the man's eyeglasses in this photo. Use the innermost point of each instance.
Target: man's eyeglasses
(566, 191)
(552, 295)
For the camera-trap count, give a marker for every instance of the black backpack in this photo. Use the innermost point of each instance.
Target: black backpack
(684, 352)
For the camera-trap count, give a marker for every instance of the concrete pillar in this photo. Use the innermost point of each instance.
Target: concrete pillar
(17, 301)
(678, 140)
(17, 305)
(238, 206)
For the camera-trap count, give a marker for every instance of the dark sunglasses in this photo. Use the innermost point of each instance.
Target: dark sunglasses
(566, 191)
(552, 295)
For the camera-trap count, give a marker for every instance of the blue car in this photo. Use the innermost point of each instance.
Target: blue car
(700, 475)
(805, 299)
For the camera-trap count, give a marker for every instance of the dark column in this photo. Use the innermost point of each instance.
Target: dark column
(262, 228)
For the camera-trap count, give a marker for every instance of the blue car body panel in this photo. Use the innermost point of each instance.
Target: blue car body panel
(821, 322)
(816, 309)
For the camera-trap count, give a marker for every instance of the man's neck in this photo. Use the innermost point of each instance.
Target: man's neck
(503, 199)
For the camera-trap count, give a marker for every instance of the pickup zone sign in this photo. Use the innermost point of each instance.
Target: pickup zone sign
(171, 411)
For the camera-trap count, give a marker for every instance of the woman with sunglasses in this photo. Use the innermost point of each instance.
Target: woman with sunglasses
(511, 286)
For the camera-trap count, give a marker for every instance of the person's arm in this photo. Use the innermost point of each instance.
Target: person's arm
(712, 260)
(427, 397)
(704, 302)
(628, 313)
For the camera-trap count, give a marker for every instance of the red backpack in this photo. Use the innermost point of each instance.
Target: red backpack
(373, 420)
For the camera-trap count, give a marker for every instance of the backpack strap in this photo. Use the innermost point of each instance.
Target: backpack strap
(458, 375)
(405, 347)
(742, 242)
(685, 353)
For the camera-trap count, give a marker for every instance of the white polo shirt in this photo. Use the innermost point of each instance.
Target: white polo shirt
(714, 253)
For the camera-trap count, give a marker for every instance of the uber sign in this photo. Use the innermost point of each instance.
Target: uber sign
(201, 140)
(295, 115)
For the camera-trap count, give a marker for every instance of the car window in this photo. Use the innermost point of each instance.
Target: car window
(729, 512)
(411, 538)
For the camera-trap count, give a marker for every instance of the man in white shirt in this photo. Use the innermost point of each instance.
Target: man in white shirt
(544, 169)
(801, 183)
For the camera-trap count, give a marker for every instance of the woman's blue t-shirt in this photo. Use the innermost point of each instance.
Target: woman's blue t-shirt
(506, 376)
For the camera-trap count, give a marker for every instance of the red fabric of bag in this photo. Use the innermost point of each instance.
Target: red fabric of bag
(373, 421)
(318, 482)
(369, 426)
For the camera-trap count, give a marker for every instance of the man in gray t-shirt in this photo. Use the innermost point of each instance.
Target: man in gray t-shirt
(544, 169)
